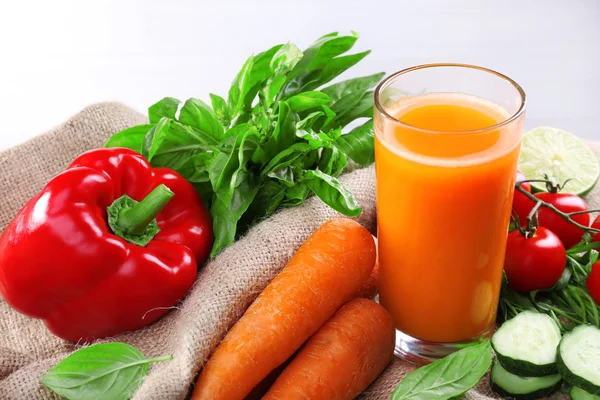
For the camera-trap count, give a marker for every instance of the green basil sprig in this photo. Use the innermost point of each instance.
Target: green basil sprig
(447, 378)
(273, 142)
(101, 371)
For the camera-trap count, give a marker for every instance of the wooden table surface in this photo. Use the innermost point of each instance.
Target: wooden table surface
(56, 57)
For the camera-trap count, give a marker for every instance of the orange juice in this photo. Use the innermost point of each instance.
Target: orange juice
(444, 192)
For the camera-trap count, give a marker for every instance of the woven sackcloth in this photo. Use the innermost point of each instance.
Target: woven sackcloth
(224, 289)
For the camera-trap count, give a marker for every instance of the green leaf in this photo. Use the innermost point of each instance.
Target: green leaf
(265, 203)
(220, 109)
(199, 115)
(229, 168)
(447, 378)
(287, 157)
(362, 109)
(285, 131)
(359, 144)
(332, 161)
(226, 215)
(309, 120)
(101, 371)
(170, 143)
(336, 66)
(131, 138)
(315, 139)
(166, 107)
(239, 89)
(318, 65)
(347, 94)
(295, 195)
(285, 176)
(332, 192)
(322, 52)
(286, 57)
(195, 169)
(260, 72)
(307, 101)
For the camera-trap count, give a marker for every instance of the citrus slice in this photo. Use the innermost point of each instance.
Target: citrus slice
(560, 155)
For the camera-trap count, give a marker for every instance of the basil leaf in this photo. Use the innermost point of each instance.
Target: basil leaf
(447, 378)
(101, 371)
(195, 168)
(282, 62)
(228, 168)
(239, 89)
(285, 176)
(322, 52)
(295, 195)
(308, 100)
(359, 144)
(198, 114)
(220, 109)
(287, 157)
(169, 143)
(309, 120)
(166, 107)
(332, 192)
(336, 66)
(226, 215)
(315, 139)
(362, 109)
(260, 72)
(348, 93)
(285, 131)
(131, 138)
(332, 161)
(265, 203)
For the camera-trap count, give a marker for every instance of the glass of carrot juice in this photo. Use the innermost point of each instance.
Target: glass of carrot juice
(447, 142)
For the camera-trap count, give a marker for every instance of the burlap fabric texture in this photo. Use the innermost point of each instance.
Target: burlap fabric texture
(225, 287)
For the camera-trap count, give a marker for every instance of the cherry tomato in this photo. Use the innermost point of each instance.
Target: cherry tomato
(521, 204)
(536, 263)
(567, 232)
(593, 282)
(596, 224)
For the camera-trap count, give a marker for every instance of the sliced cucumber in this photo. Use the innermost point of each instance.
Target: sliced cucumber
(579, 358)
(514, 386)
(580, 394)
(526, 345)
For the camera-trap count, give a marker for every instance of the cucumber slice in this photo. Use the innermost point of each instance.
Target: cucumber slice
(526, 345)
(580, 394)
(579, 358)
(517, 387)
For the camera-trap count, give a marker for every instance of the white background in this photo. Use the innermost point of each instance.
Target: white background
(58, 56)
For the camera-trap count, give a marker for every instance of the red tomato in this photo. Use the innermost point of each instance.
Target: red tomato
(568, 233)
(521, 204)
(596, 224)
(536, 263)
(593, 282)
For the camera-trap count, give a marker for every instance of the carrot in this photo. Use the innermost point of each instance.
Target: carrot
(370, 287)
(323, 274)
(342, 358)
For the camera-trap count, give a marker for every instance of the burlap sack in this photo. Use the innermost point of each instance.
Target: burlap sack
(224, 289)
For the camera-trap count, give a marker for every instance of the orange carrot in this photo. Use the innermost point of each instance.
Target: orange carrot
(370, 287)
(323, 274)
(342, 358)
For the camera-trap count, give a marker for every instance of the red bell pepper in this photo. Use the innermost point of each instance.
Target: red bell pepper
(106, 247)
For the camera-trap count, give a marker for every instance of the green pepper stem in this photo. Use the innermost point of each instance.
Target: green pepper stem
(135, 220)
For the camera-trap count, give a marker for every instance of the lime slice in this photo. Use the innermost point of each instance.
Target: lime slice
(559, 154)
